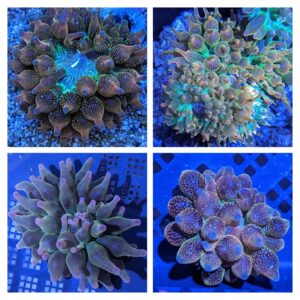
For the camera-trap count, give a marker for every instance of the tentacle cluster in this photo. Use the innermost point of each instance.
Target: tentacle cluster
(225, 73)
(224, 225)
(74, 224)
(117, 57)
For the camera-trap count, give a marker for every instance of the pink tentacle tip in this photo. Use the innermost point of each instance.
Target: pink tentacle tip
(121, 210)
(80, 216)
(16, 195)
(137, 222)
(63, 181)
(61, 244)
(19, 245)
(75, 249)
(61, 163)
(92, 206)
(38, 221)
(116, 198)
(40, 204)
(100, 228)
(116, 271)
(71, 222)
(40, 251)
(45, 256)
(86, 224)
(64, 220)
(12, 214)
(90, 160)
(126, 280)
(69, 161)
(33, 178)
(81, 201)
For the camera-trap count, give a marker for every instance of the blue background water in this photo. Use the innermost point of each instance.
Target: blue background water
(129, 181)
(270, 173)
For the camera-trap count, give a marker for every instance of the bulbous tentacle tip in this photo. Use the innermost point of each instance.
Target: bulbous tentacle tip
(89, 173)
(64, 220)
(212, 236)
(66, 110)
(137, 222)
(116, 198)
(189, 251)
(11, 214)
(38, 221)
(40, 251)
(74, 250)
(16, 194)
(36, 111)
(45, 256)
(126, 279)
(35, 62)
(244, 276)
(100, 125)
(33, 178)
(275, 277)
(61, 164)
(85, 93)
(86, 86)
(109, 63)
(120, 91)
(85, 139)
(61, 244)
(134, 101)
(40, 204)
(110, 288)
(41, 166)
(142, 253)
(92, 205)
(116, 271)
(34, 39)
(56, 132)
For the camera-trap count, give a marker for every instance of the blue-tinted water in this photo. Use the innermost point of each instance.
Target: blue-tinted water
(270, 173)
(129, 182)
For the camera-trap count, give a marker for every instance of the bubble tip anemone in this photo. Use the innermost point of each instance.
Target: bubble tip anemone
(220, 84)
(224, 224)
(58, 59)
(73, 223)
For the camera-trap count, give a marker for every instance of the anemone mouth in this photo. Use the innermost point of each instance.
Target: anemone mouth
(237, 99)
(79, 53)
(76, 64)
